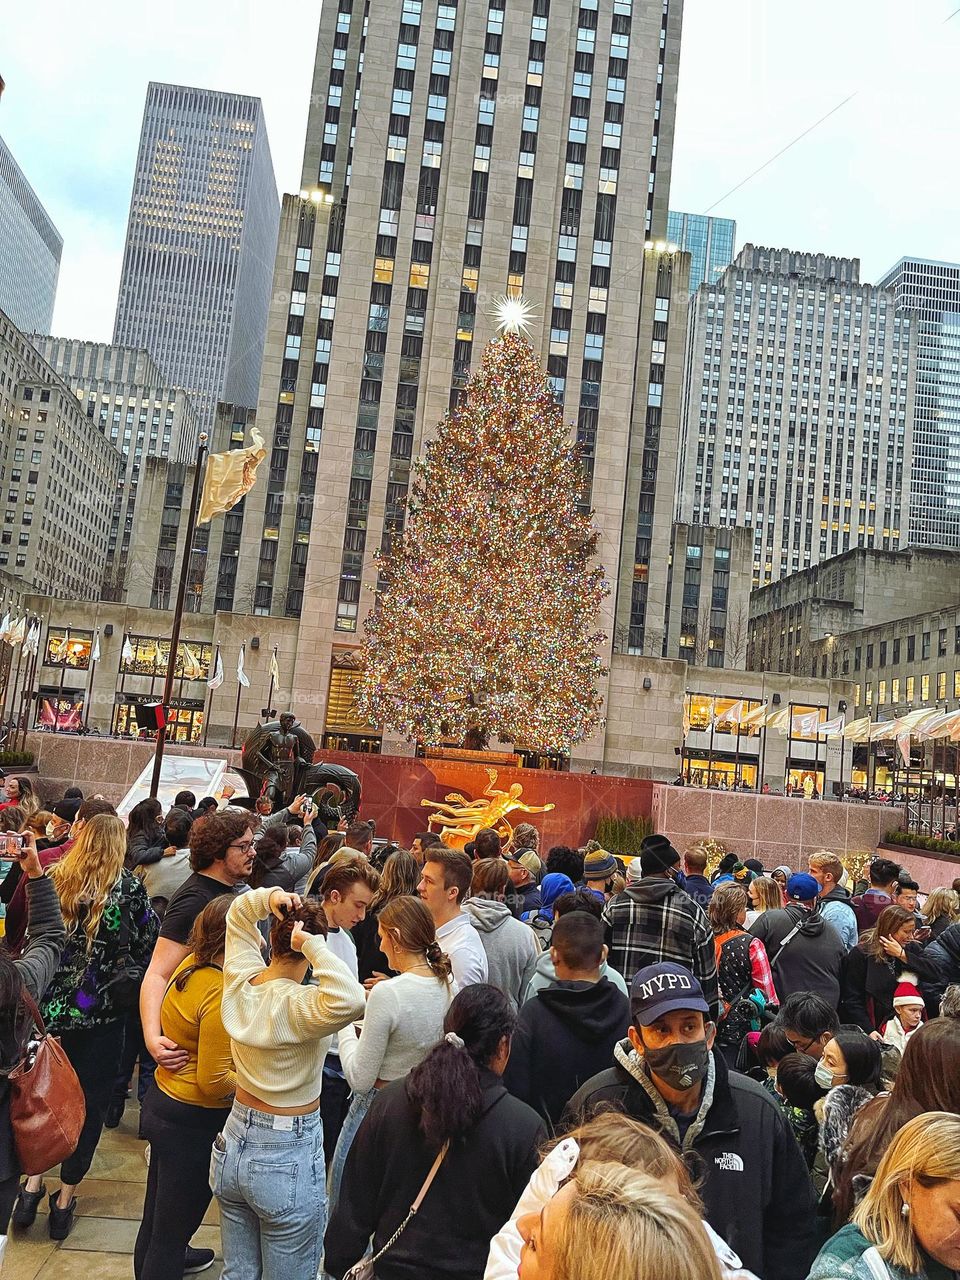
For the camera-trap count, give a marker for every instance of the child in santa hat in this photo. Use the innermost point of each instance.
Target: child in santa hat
(909, 1013)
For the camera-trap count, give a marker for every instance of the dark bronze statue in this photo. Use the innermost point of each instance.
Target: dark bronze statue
(277, 764)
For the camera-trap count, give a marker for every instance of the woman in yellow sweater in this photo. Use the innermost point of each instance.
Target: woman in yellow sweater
(184, 1110)
(267, 1167)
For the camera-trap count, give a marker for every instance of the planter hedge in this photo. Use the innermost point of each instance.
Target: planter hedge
(913, 840)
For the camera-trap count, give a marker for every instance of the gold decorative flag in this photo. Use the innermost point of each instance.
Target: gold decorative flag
(229, 477)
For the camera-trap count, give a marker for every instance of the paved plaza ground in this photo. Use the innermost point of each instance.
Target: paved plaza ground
(109, 1205)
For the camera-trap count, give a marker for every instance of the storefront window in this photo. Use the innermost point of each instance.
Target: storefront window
(67, 648)
(150, 658)
(185, 723)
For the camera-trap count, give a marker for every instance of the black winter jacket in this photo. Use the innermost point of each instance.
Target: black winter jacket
(566, 1034)
(943, 958)
(473, 1195)
(756, 1189)
(869, 985)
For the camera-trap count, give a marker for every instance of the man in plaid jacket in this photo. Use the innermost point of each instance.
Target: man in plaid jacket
(654, 920)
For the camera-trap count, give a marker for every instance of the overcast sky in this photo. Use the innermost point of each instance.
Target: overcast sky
(877, 179)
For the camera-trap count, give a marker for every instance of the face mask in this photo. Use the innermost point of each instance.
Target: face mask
(681, 1065)
(49, 828)
(823, 1076)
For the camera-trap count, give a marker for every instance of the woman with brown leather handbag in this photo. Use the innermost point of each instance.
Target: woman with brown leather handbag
(111, 931)
(29, 975)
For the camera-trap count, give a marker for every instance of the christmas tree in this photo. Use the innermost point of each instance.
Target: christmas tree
(484, 624)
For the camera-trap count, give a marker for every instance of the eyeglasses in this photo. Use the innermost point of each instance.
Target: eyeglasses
(244, 847)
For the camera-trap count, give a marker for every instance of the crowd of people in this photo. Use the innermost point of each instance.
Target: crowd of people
(471, 1065)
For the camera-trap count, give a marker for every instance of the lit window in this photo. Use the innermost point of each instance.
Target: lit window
(515, 286)
(470, 279)
(419, 275)
(383, 271)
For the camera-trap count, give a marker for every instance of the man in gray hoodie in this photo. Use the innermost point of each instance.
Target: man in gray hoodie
(510, 946)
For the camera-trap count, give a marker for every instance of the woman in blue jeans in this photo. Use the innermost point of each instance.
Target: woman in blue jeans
(267, 1167)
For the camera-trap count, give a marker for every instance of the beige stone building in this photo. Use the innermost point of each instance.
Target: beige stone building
(122, 393)
(58, 477)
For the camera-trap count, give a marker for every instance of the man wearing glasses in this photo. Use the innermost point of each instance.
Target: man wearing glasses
(808, 1021)
(221, 856)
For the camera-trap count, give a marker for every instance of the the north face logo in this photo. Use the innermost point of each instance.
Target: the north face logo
(729, 1161)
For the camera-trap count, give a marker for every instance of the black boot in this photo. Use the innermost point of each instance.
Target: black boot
(26, 1206)
(61, 1220)
(114, 1113)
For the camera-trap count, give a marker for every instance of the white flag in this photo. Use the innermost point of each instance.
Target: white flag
(216, 680)
(5, 627)
(274, 672)
(126, 653)
(95, 654)
(192, 669)
(241, 674)
(32, 642)
(18, 631)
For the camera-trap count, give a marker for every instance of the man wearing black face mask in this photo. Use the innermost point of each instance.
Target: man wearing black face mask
(755, 1185)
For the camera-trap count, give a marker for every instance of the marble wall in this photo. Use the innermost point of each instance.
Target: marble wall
(778, 830)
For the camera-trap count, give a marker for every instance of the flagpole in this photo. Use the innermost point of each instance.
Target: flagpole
(26, 693)
(178, 612)
(90, 679)
(273, 666)
(209, 703)
(236, 714)
(16, 682)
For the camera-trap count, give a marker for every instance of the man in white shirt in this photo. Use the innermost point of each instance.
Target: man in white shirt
(444, 883)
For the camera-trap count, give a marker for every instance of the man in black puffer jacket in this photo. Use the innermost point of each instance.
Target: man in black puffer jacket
(756, 1191)
(944, 954)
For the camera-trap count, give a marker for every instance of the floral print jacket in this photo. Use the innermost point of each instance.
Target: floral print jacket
(79, 996)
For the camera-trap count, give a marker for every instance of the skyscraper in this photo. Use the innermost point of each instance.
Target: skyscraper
(709, 242)
(30, 248)
(931, 290)
(121, 391)
(798, 409)
(455, 153)
(201, 241)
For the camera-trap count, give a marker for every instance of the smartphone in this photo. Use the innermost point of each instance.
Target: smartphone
(14, 844)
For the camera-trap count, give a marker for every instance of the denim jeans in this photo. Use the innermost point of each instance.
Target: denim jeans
(359, 1107)
(267, 1173)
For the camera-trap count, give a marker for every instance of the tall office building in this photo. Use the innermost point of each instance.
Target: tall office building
(201, 241)
(798, 409)
(709, 242)
(456, 152)
(58, 475)
(931, 290)
(30, 248)
(121, 391)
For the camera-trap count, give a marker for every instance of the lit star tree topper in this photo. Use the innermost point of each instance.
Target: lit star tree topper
(486, 621)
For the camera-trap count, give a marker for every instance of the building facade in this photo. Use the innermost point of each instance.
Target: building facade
(858, 590)
(456, 153)
(30, 248)
(122, 393)
(200, 247)
(709, 241)
(58, 476)
(709, 595)
(930, 292)
(798, 409)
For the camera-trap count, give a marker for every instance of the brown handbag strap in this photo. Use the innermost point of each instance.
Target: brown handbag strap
(31, 1004)
(428, 1183)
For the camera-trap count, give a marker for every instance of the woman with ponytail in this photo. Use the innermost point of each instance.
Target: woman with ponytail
(403, 1019)
(453, 1103)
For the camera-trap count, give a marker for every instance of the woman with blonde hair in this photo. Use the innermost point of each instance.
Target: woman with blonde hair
(907, 1227)
(111, 931)
(610, 1137)
(611, 1220)
(19, 791)
(403, 1019)
(765, 895)
(940, 911)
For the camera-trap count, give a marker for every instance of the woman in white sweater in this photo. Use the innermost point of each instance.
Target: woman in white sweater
(267, 1165)
(403, 1019)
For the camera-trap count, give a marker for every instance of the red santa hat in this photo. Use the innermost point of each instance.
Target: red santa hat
(906, 993)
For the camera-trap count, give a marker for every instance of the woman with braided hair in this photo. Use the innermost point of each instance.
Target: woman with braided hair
(403, 1019)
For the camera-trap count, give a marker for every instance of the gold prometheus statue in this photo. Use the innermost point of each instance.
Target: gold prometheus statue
(460, 819)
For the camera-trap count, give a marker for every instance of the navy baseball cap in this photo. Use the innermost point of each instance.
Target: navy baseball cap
(802, 887)
(664, 988)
